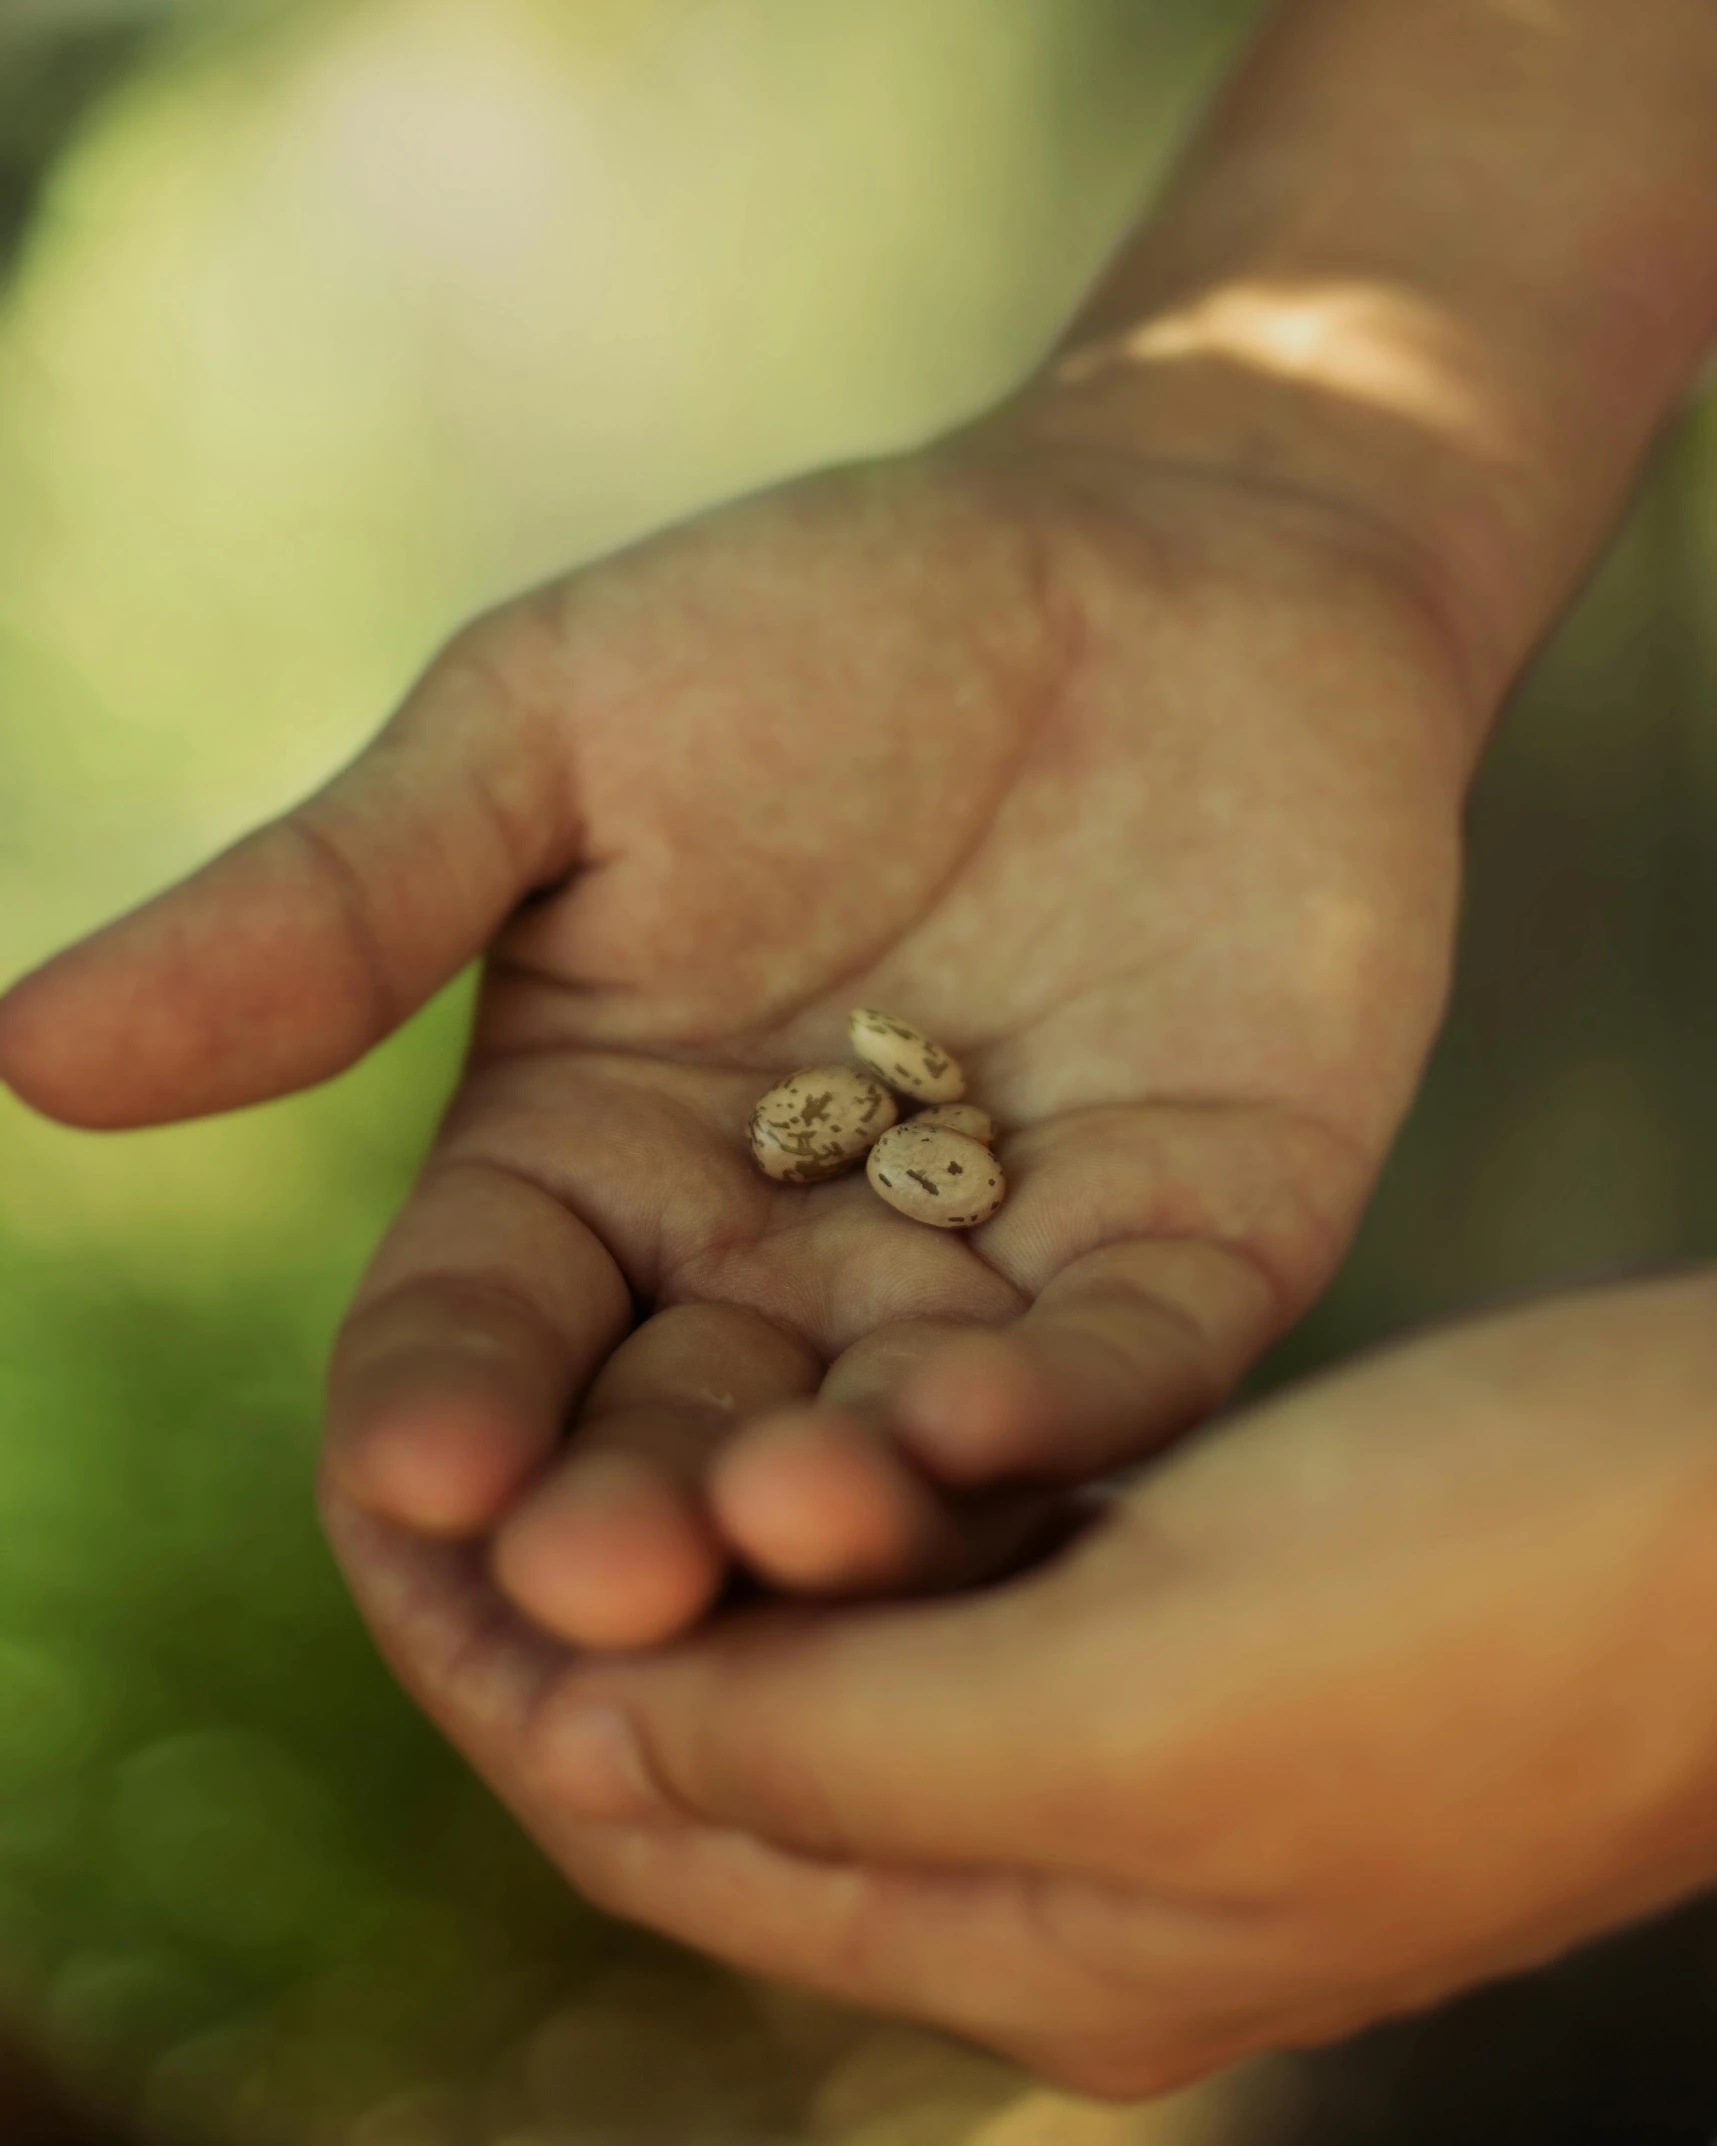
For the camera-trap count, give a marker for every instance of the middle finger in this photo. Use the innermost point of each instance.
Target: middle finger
(615, 1548)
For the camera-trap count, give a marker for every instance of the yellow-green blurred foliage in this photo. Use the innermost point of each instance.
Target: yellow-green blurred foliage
(335, 323)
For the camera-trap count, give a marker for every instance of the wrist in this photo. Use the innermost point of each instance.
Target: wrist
(1451, 533)
(1443, 269)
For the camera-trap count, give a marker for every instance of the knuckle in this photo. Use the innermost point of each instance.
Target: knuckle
(478, 1311)
(381, 997)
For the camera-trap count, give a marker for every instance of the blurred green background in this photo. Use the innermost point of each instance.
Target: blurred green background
(324, 326)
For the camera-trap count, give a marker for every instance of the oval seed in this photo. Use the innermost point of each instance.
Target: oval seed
(964, 1118)
(904, 1057)
(933, 1175)
(818, 1123)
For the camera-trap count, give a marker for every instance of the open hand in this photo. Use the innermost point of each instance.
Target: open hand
(1137, 788)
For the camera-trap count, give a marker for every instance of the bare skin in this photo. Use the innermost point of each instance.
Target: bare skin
(1120, 743)
(1141, 796)
(1398, 1683)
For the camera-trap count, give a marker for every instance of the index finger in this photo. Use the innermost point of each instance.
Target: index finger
(488, 1310)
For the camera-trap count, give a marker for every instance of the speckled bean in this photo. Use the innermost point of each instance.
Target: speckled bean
(937, 1176)
(904, 1057)
(818, 1123)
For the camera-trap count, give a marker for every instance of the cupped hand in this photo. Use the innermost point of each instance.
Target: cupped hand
(1135, 787)
(1399, 1683)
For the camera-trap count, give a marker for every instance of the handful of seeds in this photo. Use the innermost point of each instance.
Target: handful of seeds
(936, 1167)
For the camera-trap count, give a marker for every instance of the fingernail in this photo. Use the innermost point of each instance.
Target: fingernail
(597, 1772)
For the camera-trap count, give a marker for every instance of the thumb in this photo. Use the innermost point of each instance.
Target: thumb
(283, 961)
(1010, 1727)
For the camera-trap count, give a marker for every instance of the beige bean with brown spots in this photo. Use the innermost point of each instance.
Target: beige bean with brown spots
(931, 1174)
(818, 1123)
(905, 1057)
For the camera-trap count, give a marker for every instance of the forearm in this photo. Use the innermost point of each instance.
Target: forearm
(1447, 264)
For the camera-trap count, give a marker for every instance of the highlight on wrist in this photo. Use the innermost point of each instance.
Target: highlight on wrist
(1370, 343)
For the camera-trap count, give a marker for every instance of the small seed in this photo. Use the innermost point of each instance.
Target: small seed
(937, 1176)
(818, 1123)
(904, 1058)
(964, 1118)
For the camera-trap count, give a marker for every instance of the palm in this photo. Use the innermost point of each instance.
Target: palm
(1141, 800)
(1188, 939)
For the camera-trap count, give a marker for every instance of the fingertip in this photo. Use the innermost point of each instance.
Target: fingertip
(976, 1409)
(446, 1397)
(816, 1502)
(134, 1027)
(612, 1555)
(48, 1064)
(445, 1465)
